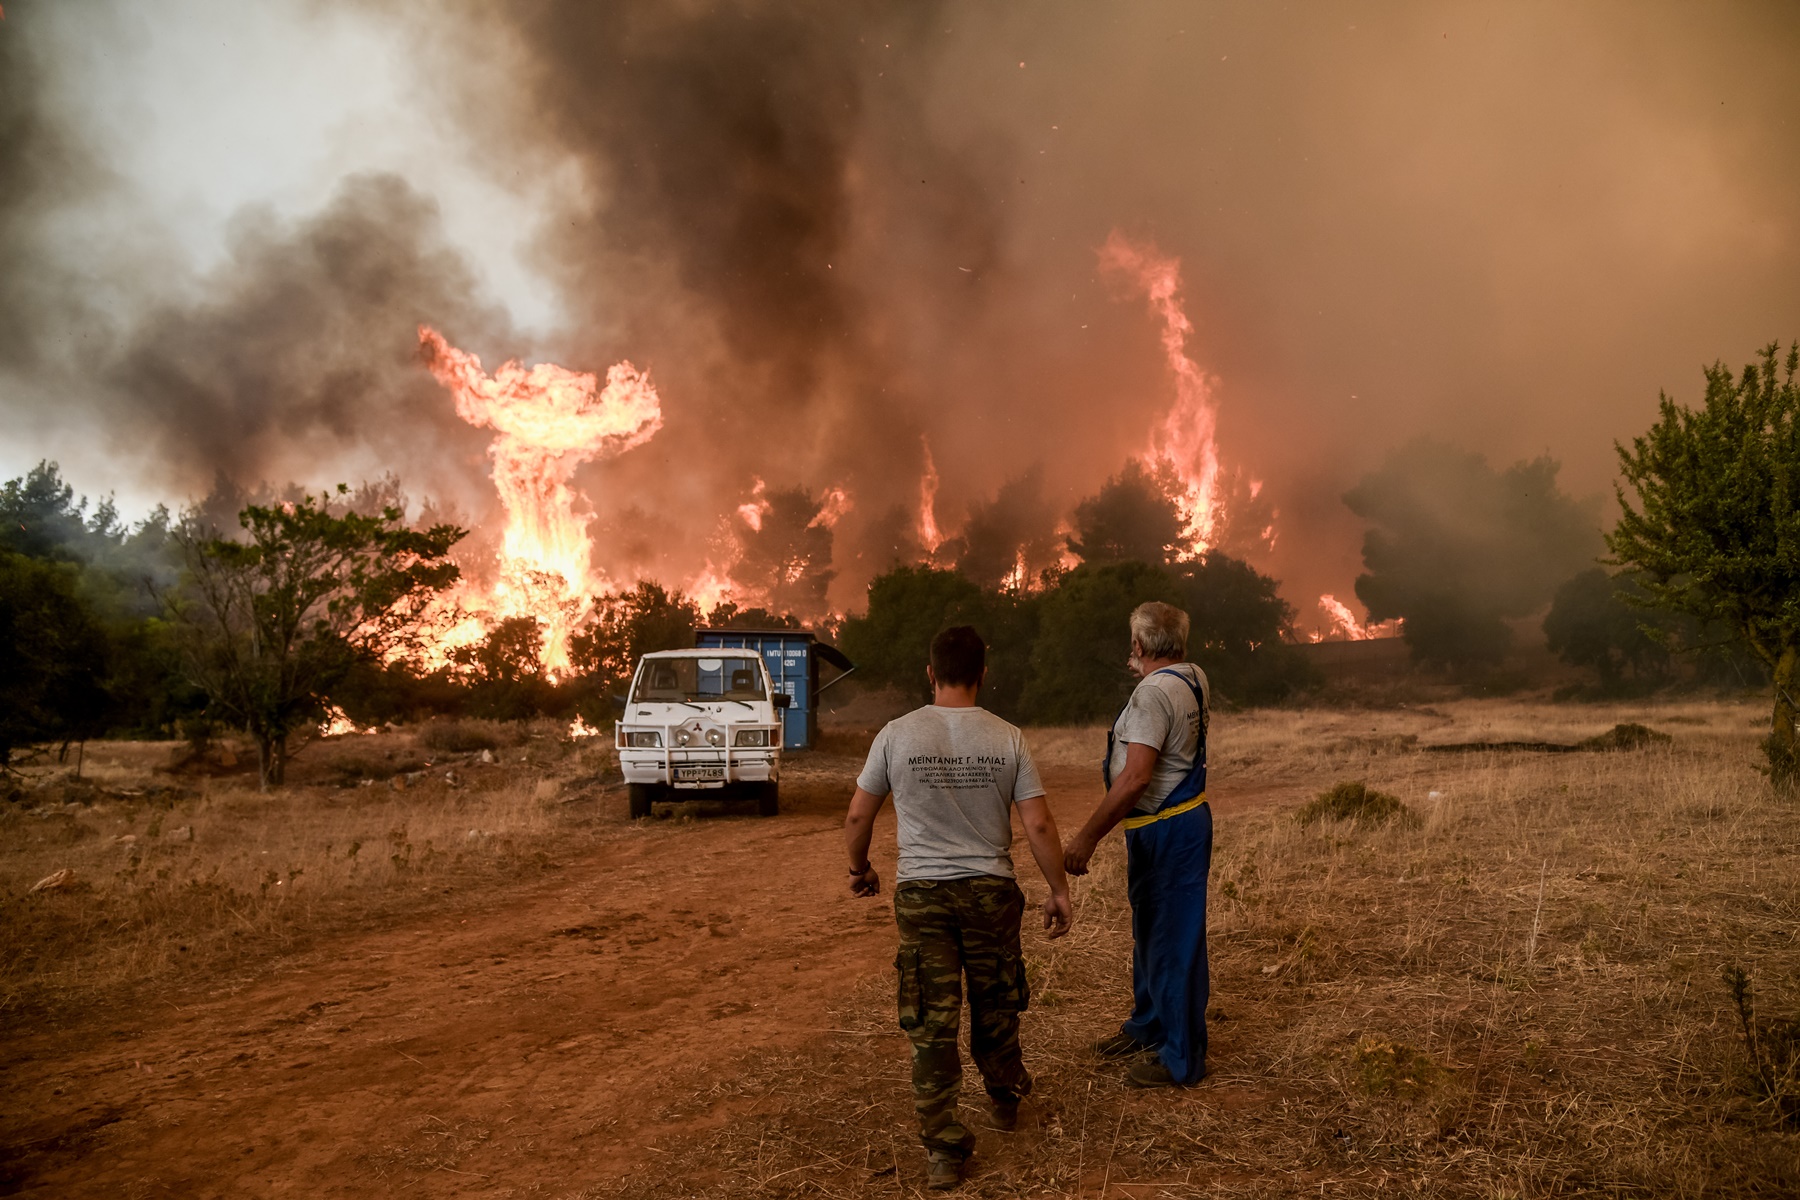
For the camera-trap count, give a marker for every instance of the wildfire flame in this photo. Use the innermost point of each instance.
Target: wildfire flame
(756, 508)
(1019, 578)
(929, 535)
(1184, 442)
(337, 723)
(1346, 628)
(710, 588)
(835, 504)
(548, 420)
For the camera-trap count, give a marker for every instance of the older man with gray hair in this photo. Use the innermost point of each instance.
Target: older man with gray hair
(1155, 773)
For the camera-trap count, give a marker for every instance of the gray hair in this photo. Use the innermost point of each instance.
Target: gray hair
(1160, 630)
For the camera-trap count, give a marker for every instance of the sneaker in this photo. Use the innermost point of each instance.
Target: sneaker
(1006, 1114)
(1155, 1075)
(1120, 1045)
(943, 1172)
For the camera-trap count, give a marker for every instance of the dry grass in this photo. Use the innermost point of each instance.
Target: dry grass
(1520, 996)
(179, 874)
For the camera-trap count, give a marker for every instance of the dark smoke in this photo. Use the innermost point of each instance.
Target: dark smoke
(302, 347)
(1457, 548)
(755, 167)
(42, 165)
(829, 228)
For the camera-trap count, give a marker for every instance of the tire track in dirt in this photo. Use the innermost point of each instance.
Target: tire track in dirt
(534, 1038)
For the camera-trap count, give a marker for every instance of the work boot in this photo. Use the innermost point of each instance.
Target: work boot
(1120, 1045)
(943, 1172)
(1006, 1114)
(1155, 1075)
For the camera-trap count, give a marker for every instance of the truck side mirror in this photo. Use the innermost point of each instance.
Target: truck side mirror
(618, 701)
(783, 700)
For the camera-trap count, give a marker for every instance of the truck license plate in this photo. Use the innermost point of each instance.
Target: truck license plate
(692, 773)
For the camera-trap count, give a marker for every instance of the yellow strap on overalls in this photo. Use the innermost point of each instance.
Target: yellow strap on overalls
(1165, 814)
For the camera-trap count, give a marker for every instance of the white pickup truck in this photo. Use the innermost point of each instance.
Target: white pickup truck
(701, 724)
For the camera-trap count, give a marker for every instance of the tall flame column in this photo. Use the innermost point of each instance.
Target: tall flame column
(548, 420)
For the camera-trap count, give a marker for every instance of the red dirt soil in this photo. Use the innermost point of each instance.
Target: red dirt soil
(514, 1042)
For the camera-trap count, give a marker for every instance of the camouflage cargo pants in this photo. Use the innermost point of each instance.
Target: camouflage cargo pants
(950, 928)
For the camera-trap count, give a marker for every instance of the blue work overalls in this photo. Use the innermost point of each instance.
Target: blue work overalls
(1168, 856)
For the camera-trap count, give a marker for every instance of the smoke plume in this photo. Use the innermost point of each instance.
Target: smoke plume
(835, 234)
(302, 346)
(1455, 547)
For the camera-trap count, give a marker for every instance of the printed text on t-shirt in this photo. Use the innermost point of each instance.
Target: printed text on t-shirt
(956, 772)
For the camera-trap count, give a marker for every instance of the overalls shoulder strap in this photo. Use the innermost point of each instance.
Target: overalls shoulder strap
(1193, 784)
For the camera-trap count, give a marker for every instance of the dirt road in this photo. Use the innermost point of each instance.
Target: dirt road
(518, 1043)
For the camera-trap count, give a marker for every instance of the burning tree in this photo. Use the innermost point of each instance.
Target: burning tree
(272, 623)
(786, 551)
(1133, 518)
(1716, 531)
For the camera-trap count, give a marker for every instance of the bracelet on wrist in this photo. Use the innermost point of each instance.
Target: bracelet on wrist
(862, 870)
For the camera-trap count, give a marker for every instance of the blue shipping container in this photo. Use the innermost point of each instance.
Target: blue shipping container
(793, 658)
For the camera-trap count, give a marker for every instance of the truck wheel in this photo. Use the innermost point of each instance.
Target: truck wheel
(768, 800)
(638, 797)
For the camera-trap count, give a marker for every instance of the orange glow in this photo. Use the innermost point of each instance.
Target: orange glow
(832, 507)
(710, 589)
(929, 535)
(547, 421)
(1019, 578)
(756, 508)
(1184, 441)
(1346, 628)
(337, 723)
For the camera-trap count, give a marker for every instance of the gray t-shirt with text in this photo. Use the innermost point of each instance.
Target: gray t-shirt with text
(955, 774)
(1162, 714)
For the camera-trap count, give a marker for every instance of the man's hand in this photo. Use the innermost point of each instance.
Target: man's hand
(1057, 914)
(859, 825)
(1077, 853)
(1127, 787)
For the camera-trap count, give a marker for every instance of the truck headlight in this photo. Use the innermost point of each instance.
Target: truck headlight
(683, 736)
(751, 737)
(643, 739)
(715, 737)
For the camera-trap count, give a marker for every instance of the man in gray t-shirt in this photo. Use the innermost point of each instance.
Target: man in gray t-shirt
(956, 773)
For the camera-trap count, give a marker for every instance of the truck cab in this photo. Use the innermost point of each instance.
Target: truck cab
(701, 724)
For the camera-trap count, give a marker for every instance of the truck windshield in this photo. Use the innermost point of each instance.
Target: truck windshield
(688, 680)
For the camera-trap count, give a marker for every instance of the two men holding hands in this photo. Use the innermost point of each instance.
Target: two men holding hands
(956, 772)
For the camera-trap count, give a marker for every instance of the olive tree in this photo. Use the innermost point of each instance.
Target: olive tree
(273, 621)
(1716, 526)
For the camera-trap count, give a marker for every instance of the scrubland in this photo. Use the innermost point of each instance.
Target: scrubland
(156, 865)
(1516, 993)
(1513, 987)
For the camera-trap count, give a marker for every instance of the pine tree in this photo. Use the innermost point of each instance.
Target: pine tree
(1716, 528)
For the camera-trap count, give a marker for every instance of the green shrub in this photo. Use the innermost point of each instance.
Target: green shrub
(1355, 801)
